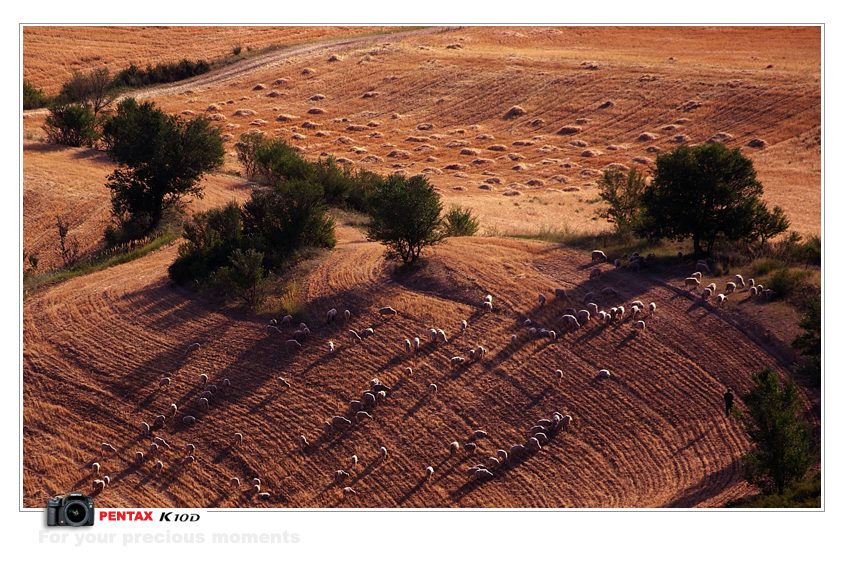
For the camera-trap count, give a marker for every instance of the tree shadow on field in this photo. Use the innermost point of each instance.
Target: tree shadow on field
(711, 484)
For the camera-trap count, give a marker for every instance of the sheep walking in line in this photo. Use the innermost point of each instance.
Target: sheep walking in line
(302, 442)
(235, 482)
(721, 299)
(98, 485)
(456, 361)
(692, 283)
(106, 447)
(697, 275)
(161, 442)
(189, 459)
(750, 282)
(354, 337)
(603, 374)
(407, 345)
(652, 308)
(541, 299)
(362, 415)
(159, 466)
(145, 429)
(598, 256)
(286, 320)
(189, 420)
(592, 308)
(416, 343)
(640, 325)
(154, 447)
(441, 335)
(331, 347)
(95, 467)
(738, 280)
(407, 371)
(383, 452)
(706, 294)
(164, 381)
(138, 457)
(463, 325)
(559, 374)
(583, 316)
(340, 423)
(470, 447)
(454, 447)
(730, 287)
(193, 347)
(354, 460)
(434, 335)
(381, 396)
(204, 403)
(191, 448)
(752, 291)
(429, 472)
(711, 286)
(283, 381)
(566, 422)
(331, 315)
(238, 438)
(387, 311)
(432, 388)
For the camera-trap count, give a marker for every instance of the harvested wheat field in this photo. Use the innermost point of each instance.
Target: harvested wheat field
(516, 123)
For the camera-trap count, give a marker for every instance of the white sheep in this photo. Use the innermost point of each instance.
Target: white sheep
(191, 448)
(441, 335)
(145, 429)
(487, 305)
(193, 347)
(302, 442)
(621, 311)
(502, 455)
(387, 311)
(284, 382)
(159, 466)
(533, 444)
(652, 308)
(383, 452)
(566, 421)
(286, 320)
(189, 459)
(429, 472)
(640, 325)
(697, 275)
(712, 286)
(381, 396)
(106, 447)
(750, 282)
(759, 288)
(347, 315)
(479, 434)
(454, 447)
(721, 299)
(353, 336)
(533, 332)
(416, 343)
(470, 447)
(362, 415)
(583, 316)
(752, 291)
(514, 338)
(407, 371)
(238, 438)
(432, 388)
(692, 283)
(568, 321)
(541, 299)
(153, 447)
(560, 293)
(189, 420)
(603, 316)
(164, 381)
(634, 311)
(407, 344)
(95, 467)
(456, 361)
(226, 383)
(738, 279)
(203, 379)
(235, 482)
(173, 409)
(637, 303)
(488, 298)
(204, 403)
(481, 349)
(434, 335)
(463, 325)
(559, 374)
(603, 374)
(354, 460)
(593, 309)
(347, 490)
(293, 344)
(730, 287)
(331, 347)
(598, 256)
(331, 314)
(706, 294)
(98, 485)
(161, 442)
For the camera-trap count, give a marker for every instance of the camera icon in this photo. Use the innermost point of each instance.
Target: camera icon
(71, 510)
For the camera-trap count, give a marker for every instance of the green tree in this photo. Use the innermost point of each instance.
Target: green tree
(809, 342)
(71, 125)
(782, 448)
(621, 190)
(210, 238)
(706, 192)
(405, 216)
(162, 159)
(290, 216)
(33, 97)
(93, 89)
(459, 221)
(247, 151)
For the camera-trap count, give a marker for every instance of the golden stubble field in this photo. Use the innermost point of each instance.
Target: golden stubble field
(432, 102)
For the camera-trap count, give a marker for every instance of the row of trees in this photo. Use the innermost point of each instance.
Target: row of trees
(706, 193)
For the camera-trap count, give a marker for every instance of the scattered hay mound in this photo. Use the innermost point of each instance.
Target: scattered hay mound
(273, 94)
(244, 112)
(498, 148)
(689, 105)
(217, 117)
(485, 187)
(187, 113)
(484, 137)
(588, 173)
(647, 137)
(520, 167)
(582, 121)
(344, 140)
(370, 94)
(605, 105)
(535, 182)
(578, 143)
(213, 108)
(648, 78)
(343, 160)
(571, 189)
(616, 166)
(316, 111)
(399, 154)
(285, 117)
(259, 87)
(641, 160)
(308, 72)
(322, 133)
(493, 180)
(514, 156)
(227, 137)
(721, 137)
(280, 82)
(523, 143)
(682, 121)
(756, 143)
(680, 139)
(299, 137)
(458, 188)
(569, 130)
(511, 193)
(424, 148)
(309, 125)
(653, 149)
(317, 97)
(589, 65)
(431, 170)
(537, 122)
(591, 153)
(416, 139)
(456, 144)
(469, 152)
(455, 167)
(373, 124)
(560, 178)
(372, 159)
(258, 122)
(456, 46)
(334, 58)
(424, 126)
(482, 161)
(514, 112)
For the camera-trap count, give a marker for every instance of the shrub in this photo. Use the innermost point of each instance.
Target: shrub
(707, 192)
(68, 246)
(782, 450)
(290, 216)
(71, 125)
(244, 277)
(621, 190)
(405, 216)
(33, 97)
(210, 238)
(236, 50)
(785, 281)
(275, 161)
(162, 159)
(133, 76)
(246, 150)
(809, 343)
(460, 221)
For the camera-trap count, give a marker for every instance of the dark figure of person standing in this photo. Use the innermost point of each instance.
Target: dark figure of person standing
(729, 401)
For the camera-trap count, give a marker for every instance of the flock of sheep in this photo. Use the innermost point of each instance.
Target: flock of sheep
(694, 282)
(365, 407)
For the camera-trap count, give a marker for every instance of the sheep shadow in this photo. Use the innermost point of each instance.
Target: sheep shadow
(406, 496)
